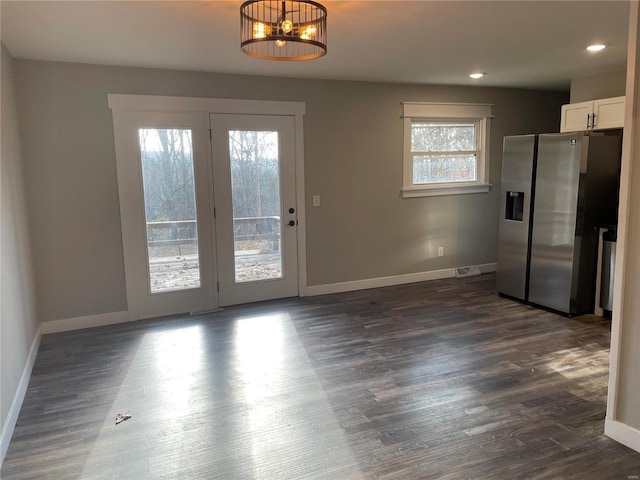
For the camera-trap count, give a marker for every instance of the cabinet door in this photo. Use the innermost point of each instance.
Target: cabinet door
(576, 117)
(609, 113)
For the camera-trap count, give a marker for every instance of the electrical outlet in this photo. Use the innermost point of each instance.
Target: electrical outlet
(316, 200)
(441, 251)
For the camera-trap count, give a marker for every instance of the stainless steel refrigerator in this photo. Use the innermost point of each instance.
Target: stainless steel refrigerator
(557, 189)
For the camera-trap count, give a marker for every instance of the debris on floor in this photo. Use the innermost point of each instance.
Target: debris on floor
(121, 417)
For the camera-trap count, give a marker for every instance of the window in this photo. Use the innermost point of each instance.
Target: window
(446, 149)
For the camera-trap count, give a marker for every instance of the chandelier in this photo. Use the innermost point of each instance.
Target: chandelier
(283, 29)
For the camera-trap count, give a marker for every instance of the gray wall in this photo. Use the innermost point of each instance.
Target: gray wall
(598, 86)
(353, 159)
(628, 392)
(18, 321)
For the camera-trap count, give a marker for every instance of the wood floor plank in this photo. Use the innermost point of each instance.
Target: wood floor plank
(433, 380)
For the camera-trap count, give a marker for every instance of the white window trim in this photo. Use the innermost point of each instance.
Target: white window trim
(476, 112)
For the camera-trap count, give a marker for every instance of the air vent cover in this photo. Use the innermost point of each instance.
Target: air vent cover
(462, 272)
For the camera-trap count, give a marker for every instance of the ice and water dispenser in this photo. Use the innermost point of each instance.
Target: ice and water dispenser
(515, 206)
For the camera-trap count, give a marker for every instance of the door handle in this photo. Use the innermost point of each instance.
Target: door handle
(588, 118)
(291, 223)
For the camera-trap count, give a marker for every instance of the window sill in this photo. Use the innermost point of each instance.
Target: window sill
(433, 191)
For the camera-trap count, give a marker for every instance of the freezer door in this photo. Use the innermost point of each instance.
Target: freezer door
(515, 205)
(559, 162)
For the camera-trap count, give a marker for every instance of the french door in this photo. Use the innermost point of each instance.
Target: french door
(164, 182)
(185, 248)
(255, 207)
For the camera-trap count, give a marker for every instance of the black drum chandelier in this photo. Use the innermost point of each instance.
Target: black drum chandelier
(283, 29)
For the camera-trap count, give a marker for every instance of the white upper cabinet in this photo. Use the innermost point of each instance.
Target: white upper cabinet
(576, 117)
(608, 113)
(593, 115)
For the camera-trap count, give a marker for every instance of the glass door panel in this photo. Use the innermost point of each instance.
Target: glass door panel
(256, 219)
(255, 193)
(165, 192)
(170, 209)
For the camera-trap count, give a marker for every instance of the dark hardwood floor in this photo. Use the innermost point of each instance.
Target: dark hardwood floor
(434, 380)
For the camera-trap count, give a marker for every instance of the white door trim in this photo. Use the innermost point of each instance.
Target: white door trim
(300, 205)
(120, 103)
(207, 105)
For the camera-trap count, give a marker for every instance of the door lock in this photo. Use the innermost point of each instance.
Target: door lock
(292, 223)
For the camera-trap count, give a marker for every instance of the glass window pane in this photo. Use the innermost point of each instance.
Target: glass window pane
(255, 191)
(444, 168)
(443, 137)
(170, 208)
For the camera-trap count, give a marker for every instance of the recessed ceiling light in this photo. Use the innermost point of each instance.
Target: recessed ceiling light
(596, 47)
(476, 75)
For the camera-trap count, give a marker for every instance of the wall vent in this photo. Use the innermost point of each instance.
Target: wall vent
(462, 272)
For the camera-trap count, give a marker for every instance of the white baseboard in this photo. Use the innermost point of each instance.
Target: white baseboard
(77, 323)
(18, 398)
(89, 321)
(313, 290)
(623, 434)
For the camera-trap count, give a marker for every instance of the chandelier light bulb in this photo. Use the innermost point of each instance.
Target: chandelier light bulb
(287, 26)
(260, 30)
(308, 32)
(280, 43)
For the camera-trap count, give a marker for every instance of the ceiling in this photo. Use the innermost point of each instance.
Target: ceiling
(530, 44)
